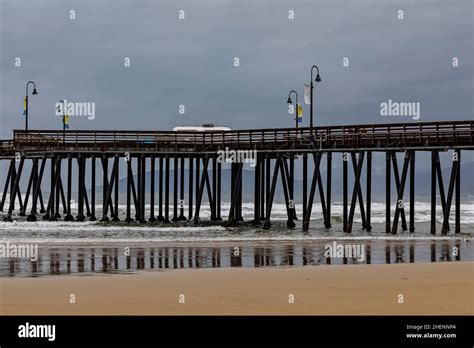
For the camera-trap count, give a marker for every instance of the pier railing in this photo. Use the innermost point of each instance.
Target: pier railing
(450, 133)
(6, 146)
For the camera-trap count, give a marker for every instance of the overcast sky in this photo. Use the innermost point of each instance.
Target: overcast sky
(191, 61)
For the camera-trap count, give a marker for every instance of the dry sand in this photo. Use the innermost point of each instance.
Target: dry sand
(427, 289)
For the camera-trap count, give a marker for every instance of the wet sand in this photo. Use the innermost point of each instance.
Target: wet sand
(427, 289)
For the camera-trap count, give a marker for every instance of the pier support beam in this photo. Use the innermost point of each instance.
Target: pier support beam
(16, 185)
(305, 186)
(356, 191)
(167, 191)
(190, 188)
(234, 195)
(219, 192)
(368, 224)
(110, 186)
(115, 216)
(359, 192)
(129, 219)
(457, 218)
(93, 188)
(399, 207)
(49, 215)
(34, 169)
(35, 184)
(63, 197)
(37, 190)
(239, 202)
(198, 181)
(105, 187)
(268, 162)
(322, 199)
(291, 180)
(284, 174)
(388, 191)
(58, 193)
(328, 189)
(214, 189)
(69, 216)
(452, 182)
(412, 191)
(55, 162)
(345, 189)
(256, 195)
(235, 185)
(142, 187)
(181, 216)
(175, 189)
(138, 207)
(7, 183)
(152, 189)
(160, 218)
(262, 188)
(309, 203)
(201, 190)
(434, 156)
(271, 194)
(439, 174)
(18, 193)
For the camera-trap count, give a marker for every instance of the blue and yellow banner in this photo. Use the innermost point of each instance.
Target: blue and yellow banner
(66, 121)
(299, 112)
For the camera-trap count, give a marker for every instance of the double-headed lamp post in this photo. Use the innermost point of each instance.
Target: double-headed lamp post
(26, 101)
(317, 79)
(289, 101)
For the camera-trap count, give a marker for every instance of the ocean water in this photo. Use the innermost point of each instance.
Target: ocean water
(71, 248)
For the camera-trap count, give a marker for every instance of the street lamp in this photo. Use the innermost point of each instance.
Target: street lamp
(296, 105)
(318, 79)
(26, 101)
(64, 117)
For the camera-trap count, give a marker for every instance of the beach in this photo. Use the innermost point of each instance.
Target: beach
(427, 288)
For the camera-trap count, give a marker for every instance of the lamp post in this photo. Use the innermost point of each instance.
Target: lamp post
(317, 79)
(26, 101)
(64, 117)
(296, 105)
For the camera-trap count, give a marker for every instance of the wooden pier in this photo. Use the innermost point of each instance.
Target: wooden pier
(278, 152)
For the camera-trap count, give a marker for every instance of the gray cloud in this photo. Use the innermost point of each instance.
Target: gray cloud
(190, 62)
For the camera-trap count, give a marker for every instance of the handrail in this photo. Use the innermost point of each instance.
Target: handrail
(272, 138)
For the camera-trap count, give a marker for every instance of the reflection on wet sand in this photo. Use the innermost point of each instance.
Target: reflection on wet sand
(123, 259)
